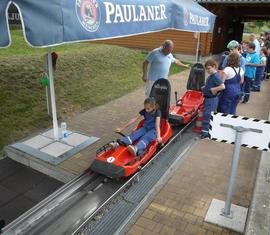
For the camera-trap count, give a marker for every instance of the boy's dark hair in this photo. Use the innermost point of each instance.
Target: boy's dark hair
(239, 47)
(233, 60)
(211, 63)
(251, 45)
(150, 100)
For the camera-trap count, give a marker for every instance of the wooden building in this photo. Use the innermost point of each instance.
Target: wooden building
(231, 15)
(185, 42)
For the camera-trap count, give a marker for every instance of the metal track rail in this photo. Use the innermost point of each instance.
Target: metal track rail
(69, 209)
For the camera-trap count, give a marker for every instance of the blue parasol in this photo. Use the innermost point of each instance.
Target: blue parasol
(54, 22)
(48, 23)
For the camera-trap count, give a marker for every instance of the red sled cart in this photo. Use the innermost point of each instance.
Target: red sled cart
(188, 105)
(119, 162)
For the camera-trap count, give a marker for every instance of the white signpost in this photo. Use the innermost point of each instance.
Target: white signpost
(240, 131)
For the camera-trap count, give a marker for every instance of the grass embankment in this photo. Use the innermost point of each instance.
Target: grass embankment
(87, 75)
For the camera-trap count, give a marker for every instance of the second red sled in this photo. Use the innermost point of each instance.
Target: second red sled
(187, 106)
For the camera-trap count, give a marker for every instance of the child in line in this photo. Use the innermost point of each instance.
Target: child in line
(252, 60)
(233, 77)
(244, 51)
(147, 133)
(260, 69)
(213, 85)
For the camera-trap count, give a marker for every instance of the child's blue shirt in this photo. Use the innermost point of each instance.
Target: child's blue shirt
(150, 118)
(213, 80)
(253, 58)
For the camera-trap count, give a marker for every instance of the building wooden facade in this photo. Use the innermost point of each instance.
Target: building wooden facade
(185, 42)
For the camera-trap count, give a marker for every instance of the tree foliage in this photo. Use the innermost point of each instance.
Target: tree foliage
(257, 26)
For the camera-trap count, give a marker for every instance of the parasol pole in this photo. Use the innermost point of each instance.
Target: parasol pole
(198, 47)
(52, 91)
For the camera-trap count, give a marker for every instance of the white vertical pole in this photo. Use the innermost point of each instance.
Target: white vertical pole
(53, 104)
(47, 100)
(234, 166)
(198, 47)
(235, 161)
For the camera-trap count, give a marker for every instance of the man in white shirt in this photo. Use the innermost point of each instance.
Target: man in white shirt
(160, 60)
(253, 39)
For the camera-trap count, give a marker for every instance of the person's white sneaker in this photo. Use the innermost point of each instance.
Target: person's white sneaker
(113, 145)
(132, 149)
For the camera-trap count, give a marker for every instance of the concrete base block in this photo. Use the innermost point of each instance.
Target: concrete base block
(237, 220)
(43, 153)
(45, 148)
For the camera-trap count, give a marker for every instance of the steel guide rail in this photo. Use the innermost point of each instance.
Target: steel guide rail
(66, 202)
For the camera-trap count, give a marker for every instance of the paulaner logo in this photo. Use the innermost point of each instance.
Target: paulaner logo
(192, 19)
(198, 20)
(116, 13)
(88, 13)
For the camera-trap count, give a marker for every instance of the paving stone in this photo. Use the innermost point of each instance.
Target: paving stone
(212, 228)
(171, 203)
(166, 230)
(157, 207)
(209, 233)
(163, 219)
(194, 230)
(149, 214)
(168, 211)
(159, 200)
(190, 218)
(177, 214)
(157, 228)
(147, 232)
(200, 212)
(189, 209)
(136, 230)
(179, 225)
(197, 204)
(225, 232)
(146, 223)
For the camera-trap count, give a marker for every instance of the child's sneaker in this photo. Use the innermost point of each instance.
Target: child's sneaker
(204, 136)
(132, 149)
(113, 145)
